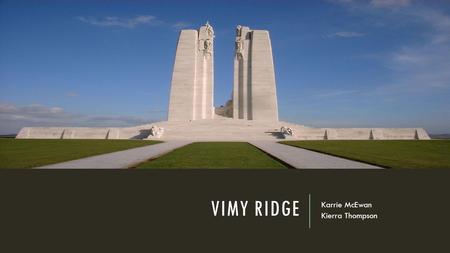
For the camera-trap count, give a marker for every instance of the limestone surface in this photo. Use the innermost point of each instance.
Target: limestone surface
(224, 129)
(254, 89)
(192, 88)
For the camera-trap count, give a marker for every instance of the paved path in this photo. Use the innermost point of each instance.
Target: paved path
(120, 159)
(305, 159)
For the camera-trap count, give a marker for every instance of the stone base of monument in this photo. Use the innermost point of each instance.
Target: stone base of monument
(289, 137)
(223, 129)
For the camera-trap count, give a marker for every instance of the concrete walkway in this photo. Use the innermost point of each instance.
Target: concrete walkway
(305, 159)
(120, 159)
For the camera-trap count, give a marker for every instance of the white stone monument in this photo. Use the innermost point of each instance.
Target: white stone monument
(192, 89)
(251, 114)
(254, 89)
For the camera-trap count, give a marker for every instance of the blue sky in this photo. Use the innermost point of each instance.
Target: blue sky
(338, 63)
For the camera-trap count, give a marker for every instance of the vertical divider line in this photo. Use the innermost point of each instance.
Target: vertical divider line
(309, 210)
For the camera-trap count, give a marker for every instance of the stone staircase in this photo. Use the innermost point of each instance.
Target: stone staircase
(221, 129)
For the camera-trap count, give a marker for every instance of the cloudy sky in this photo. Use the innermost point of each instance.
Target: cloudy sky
(339, 63)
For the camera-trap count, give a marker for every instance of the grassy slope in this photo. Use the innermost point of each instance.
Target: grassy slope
(214, 155)
(31, 153)
(391, 154)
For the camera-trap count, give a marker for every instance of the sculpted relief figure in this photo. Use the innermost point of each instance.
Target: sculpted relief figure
(156, 131)
(209, 30)
(207, 46)
(239, 44)
(153, 131)
(287, 131)
(239, 47)
(201, 45)
(238, 31)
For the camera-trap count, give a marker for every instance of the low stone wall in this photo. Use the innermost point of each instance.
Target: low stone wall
(352, 134)
(40, 133)
(85, 133)
(361, 134)
(224, 130)
(309, 133)
(75, 133)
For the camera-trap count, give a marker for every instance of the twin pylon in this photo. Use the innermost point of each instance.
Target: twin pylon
(254, 89)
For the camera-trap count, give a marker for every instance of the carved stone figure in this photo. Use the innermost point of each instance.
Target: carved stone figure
(156, 131)
(239, 44)
(238, 31)
(209, 29)
(201, 45)
(287, 131)
(207, 46)
(153, 131)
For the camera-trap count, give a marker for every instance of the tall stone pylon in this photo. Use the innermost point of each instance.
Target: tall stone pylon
(254, 88)
(192, 88)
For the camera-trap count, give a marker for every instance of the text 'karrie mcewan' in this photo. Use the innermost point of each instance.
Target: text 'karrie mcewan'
(267, 208)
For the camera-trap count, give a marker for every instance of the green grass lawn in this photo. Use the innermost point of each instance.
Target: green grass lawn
(390, 154)
(215, 155)
(28, 153)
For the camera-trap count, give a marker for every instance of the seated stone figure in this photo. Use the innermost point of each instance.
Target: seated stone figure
(287, 131)
(156, 131)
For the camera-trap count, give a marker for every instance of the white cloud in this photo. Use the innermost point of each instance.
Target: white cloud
(13, 118)
(438, 21)
(33, 110)
(424, 65)
(421, 64)
(375, 3)
(121, 22)
(408, 57)
(131, 22)
(389, 3)
(181, 25)
(341, 1)
(345, 34)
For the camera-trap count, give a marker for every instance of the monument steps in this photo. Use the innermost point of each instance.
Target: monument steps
(221, 129)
